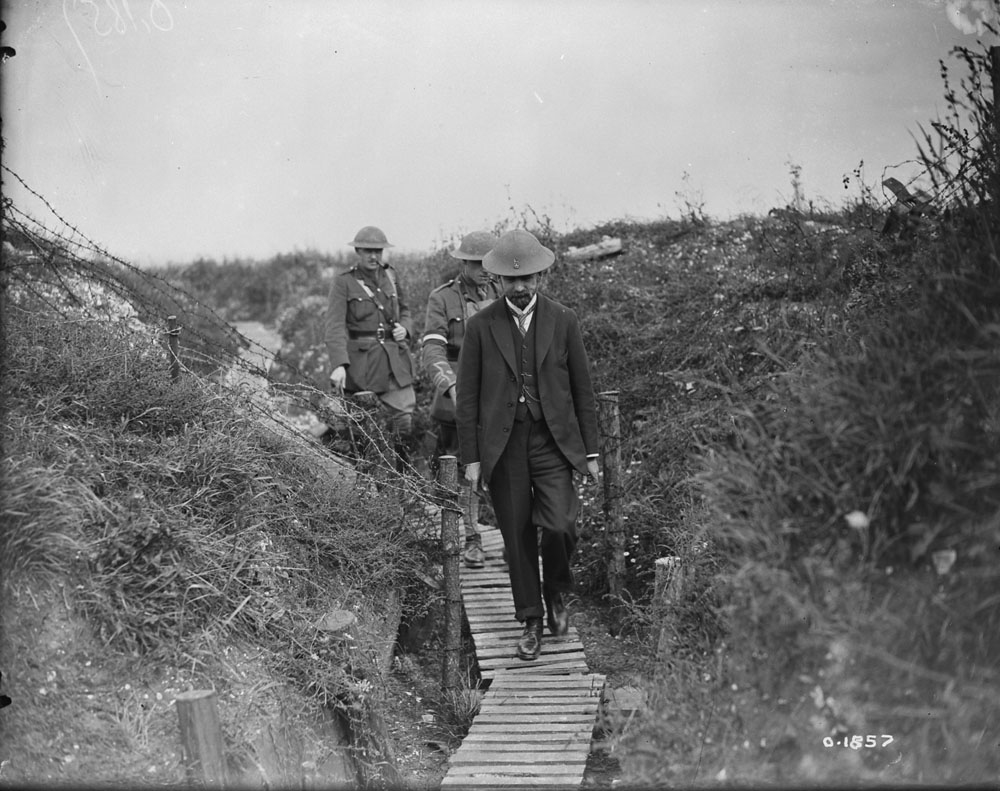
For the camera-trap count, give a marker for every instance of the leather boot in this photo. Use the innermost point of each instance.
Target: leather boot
(530, 644)
(474, 556)
(558, 614)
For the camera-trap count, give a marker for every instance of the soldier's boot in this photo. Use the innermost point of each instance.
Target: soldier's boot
(473, 555)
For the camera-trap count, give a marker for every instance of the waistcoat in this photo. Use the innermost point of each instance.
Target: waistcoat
(527, 380)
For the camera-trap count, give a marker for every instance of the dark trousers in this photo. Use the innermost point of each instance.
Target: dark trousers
(532, 487)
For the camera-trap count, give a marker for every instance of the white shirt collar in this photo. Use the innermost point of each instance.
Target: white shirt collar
(527, 309)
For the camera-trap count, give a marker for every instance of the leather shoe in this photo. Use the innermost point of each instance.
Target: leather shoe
(474, 556)
(558, 614)
(530, 644)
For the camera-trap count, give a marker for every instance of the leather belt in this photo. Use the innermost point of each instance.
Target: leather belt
(378, 334)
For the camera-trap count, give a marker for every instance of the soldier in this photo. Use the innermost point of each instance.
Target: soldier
(367, 324)
(448, 308)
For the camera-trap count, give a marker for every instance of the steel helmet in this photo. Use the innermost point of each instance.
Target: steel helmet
(370, 237)
(518, 253)
(474, 246)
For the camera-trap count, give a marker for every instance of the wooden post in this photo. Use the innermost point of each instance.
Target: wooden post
(201, 737)
(173, 343)
(995, 79)
(448, 490)
(609, 425)
(668, 586)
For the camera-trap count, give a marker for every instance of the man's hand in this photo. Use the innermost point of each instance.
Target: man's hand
(338, 378)
(450, 393)
(472, 473)
(592, 470)
(399, 333)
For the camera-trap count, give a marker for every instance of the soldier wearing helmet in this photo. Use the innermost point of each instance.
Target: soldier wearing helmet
(527, 420)
(368, 323)
(449, 306)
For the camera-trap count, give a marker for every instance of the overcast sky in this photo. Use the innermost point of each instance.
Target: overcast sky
(166, 130)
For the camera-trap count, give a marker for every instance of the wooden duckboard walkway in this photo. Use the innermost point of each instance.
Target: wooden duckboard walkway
(536, 720)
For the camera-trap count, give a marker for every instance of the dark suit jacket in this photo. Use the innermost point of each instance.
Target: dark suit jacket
(487, 384)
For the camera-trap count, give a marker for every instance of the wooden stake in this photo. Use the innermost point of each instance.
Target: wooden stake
(173, 343)
(201, 737)
(609, 425)
(448, 490)
(668, 586)
(995, 79)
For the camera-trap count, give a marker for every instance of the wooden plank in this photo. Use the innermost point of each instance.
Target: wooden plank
(487, 597)
(517, 721)
(504, 640)
(564, 702)
(541, 740)
(548, 658)
(499, 614)
(546, 702)
(498, 574)
(555, 645)
(498, 742)
(556, 669)
(512, 770)
(500, 611)
(502, 629)
(486, 758)
(473, 595)
(562, 651)
(519, 680)
(536, 689)
(508, 661)
(480, 602)
(539, 714)
(543, 696)
(525, 681)
(499, 783)
(496, 725)
(564, 694)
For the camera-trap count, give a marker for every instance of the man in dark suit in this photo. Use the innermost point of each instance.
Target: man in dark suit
(526, 421)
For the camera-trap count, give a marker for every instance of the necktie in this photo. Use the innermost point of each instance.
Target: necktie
(522, 321)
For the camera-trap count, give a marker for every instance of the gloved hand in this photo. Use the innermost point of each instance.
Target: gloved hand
(338, 377)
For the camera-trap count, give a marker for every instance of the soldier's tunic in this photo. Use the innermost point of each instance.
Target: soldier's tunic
(358, 335)
(449, 306)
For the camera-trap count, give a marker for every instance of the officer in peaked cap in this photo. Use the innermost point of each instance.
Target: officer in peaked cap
(527, 421)
(367, 327)
(449, 307)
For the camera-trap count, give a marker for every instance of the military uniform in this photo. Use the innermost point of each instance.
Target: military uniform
(361, 315)
(449, 306)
